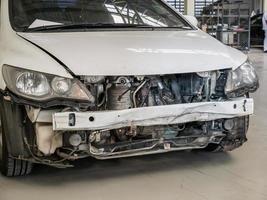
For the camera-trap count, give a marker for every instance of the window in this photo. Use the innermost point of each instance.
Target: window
(111, 13)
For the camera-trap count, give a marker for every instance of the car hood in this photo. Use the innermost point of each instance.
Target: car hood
(137, 52)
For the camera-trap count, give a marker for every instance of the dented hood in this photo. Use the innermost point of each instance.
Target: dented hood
(137, 52)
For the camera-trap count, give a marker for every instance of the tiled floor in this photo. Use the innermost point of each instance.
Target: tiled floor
(239, 175)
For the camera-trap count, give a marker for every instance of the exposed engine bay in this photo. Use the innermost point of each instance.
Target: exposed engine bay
(128, 93)
(118, 93)
(123, 93)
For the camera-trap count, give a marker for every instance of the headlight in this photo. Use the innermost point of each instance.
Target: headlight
(30, 83)
(43, 87)
(244, 79)
(61, 86)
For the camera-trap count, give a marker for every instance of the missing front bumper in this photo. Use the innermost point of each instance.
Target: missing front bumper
(151, 116)
(154, 146)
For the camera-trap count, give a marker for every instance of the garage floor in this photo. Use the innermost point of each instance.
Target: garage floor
(241, 174)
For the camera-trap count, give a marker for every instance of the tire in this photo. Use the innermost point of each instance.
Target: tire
(11, 167)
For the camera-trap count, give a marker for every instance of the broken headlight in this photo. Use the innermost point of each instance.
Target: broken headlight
(43, 87)
(242, 80)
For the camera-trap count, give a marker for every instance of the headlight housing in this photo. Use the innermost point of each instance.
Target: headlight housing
(44, 87)
(242, 80)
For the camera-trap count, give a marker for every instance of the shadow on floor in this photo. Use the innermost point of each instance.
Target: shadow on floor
(91, 170)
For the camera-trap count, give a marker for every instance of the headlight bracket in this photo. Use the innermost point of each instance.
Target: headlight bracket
(220, 84)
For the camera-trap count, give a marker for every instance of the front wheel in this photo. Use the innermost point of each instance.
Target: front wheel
(10, 166)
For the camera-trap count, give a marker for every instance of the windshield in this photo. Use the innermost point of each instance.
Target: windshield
(27, 14)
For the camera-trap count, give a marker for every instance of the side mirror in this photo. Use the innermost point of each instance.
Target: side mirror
(192, 19)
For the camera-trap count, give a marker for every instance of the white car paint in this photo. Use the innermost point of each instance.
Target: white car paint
(18, 52)
(110, 53)
(138, 52)
(114, 53)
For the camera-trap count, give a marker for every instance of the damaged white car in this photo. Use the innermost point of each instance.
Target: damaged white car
(114, 78)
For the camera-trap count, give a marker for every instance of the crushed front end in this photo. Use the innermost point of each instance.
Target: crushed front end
(139, 115)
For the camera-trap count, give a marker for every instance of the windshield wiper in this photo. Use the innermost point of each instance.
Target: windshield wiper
(97, 25)
(85, 26)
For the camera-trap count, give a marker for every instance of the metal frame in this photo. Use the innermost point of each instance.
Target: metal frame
(216, 15)
(177, 4)
(150, 116)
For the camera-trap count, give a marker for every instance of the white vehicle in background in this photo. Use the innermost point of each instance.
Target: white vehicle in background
(111, 79)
